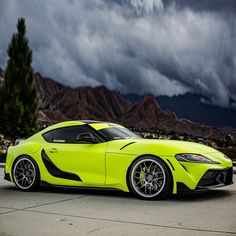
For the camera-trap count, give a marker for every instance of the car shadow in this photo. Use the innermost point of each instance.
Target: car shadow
(86, 191)
(190, 197)
(11, 189)
(203, 196)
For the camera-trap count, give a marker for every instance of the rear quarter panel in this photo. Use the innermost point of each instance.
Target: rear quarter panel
(24, 148)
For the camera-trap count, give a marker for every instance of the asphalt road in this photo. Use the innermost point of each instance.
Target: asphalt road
(60, 211)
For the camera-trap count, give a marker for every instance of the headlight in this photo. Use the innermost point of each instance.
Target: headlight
(188, 157)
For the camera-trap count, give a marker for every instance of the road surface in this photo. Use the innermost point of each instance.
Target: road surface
(60, 211)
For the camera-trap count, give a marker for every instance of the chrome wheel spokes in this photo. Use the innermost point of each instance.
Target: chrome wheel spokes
(24, 173)
(148, 178)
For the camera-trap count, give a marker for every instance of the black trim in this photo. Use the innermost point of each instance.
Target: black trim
(182, 188)
(183, 167)
(127, 145)
(171, 164)
(97, 133)
(45, 184)
(54, 171)
(216, 178)
(7, 177)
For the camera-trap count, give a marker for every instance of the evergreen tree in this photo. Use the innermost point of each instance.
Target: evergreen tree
(19, 95)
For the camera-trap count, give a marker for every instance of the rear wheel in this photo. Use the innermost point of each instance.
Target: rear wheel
(25, 173)
(149, 178)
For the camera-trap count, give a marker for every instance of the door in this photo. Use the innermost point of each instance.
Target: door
(86, 160)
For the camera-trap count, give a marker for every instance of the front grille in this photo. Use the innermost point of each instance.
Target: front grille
(216, 177)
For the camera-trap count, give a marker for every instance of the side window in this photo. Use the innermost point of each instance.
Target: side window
(48, 136)
(68, 134)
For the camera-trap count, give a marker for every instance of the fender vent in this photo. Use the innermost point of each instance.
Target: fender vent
(127, 145)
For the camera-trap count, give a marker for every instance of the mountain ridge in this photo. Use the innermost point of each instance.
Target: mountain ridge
(58, 103)
(189, 106)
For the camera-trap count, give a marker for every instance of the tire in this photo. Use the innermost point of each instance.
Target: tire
(25, 173)
(149, 178)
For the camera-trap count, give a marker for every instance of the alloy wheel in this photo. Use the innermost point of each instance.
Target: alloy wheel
(24, 173)
(148, 178)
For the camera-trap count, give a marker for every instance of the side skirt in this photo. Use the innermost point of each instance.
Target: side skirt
(46, 184)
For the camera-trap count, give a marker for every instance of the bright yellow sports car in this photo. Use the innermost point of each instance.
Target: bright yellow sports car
(107, 155)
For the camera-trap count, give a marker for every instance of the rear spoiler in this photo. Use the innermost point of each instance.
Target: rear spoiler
(17, 141)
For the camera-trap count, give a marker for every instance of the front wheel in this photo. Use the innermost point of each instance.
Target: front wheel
(25, 173)
(149, 178)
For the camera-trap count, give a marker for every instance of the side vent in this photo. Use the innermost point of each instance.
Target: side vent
(56, 172)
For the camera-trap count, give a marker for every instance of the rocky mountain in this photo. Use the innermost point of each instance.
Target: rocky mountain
(191, 107)
(59, 102)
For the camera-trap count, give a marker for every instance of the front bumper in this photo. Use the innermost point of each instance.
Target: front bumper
(216, 178)
(213, 178)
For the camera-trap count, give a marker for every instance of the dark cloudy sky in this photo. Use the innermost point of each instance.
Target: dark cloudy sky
(134, 46)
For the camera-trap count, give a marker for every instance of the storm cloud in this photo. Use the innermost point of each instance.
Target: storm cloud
(135, 46)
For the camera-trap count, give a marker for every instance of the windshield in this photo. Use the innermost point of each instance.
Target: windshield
(114, 133)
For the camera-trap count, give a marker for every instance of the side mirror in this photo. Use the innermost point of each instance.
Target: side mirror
(86, 137)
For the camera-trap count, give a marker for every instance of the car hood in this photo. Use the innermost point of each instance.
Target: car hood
(162, 148)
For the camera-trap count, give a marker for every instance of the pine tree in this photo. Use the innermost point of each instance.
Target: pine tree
(19, 95)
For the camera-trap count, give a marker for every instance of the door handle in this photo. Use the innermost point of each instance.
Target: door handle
(53, 150)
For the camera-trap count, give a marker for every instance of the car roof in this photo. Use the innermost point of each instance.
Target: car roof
(93, 123)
